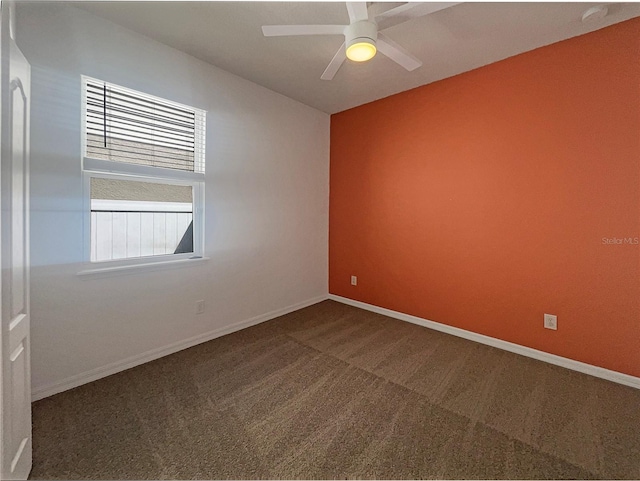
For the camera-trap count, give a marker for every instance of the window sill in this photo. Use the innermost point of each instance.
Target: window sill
(95, 272)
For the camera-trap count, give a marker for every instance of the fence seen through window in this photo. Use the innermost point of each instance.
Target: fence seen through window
(139, 219)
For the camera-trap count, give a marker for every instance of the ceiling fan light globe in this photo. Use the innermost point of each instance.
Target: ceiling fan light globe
(361, 51)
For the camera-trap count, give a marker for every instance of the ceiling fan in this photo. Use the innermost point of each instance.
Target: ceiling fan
(363, 37)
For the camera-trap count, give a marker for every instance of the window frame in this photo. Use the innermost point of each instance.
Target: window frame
(110, 169)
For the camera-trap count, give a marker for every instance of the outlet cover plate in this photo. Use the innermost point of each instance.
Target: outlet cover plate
(199, 307)
(551, 322)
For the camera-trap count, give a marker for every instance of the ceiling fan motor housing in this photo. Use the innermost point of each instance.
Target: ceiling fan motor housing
(362, 31)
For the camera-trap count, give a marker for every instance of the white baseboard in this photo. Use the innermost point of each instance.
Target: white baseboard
(118, 366)
(596, 371)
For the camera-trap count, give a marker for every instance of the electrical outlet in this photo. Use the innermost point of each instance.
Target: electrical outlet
(551, 322)
(199, 307)
(354, 280)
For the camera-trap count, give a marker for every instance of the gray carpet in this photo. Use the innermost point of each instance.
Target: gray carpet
(330, 392)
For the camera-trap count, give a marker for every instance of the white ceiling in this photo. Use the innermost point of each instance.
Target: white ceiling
(455, 40)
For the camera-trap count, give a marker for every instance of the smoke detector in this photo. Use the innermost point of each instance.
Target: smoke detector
(594, 13)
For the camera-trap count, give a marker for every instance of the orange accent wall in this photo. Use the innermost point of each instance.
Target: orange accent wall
(481, 201)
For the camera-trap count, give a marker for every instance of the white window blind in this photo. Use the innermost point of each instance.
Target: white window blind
(123, 125)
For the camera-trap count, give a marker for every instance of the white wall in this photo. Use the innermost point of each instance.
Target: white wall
(266, 202)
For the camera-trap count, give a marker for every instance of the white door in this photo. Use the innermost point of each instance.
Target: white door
(14, 255)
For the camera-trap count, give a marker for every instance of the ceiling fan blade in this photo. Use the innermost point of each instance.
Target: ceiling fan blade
(357, 11)
(289, 30)
(408, 11)
(335, 64)
(396, 53)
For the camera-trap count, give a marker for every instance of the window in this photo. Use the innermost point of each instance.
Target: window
(143, 166)
(139, 219)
